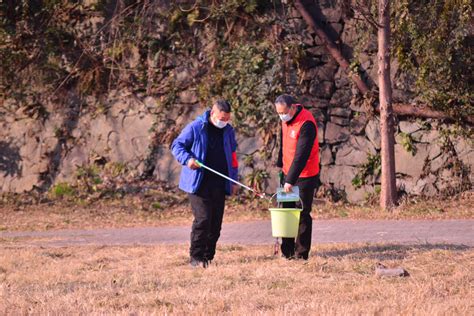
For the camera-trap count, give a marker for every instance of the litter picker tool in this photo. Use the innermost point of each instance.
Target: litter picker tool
(261, 195)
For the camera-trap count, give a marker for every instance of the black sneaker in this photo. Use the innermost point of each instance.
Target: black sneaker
(196, 263)
(288, 257)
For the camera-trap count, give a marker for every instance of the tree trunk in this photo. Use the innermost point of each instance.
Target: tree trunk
(388, 193)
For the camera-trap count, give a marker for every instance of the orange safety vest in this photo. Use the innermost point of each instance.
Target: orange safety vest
(290, 135)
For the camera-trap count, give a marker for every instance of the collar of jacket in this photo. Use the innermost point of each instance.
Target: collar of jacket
(299, 107)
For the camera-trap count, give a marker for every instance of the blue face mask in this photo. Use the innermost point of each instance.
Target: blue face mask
(217, 123)
(220, 124)
(285, 117)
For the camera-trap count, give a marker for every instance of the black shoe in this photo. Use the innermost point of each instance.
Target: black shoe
(301, 257)
(196, 263)
(291, 257)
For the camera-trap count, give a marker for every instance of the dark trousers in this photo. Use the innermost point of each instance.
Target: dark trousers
(208, 210)
(302, 246)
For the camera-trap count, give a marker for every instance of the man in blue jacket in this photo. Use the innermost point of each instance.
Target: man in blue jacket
(210, 140)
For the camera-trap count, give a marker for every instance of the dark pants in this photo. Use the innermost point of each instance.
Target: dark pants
(302, 246)
(208, 210)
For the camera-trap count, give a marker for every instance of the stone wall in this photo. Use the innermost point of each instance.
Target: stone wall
(430, 158)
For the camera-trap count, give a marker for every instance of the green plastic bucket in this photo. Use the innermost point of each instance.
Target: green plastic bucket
(285, 222)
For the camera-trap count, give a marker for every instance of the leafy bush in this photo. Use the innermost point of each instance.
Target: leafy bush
(372, 168)
(62, 190)
(248, 76)
(407, 143)
(433, 42)
(88, 177)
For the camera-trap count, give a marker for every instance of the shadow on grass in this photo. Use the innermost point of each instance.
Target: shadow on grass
(387, 252)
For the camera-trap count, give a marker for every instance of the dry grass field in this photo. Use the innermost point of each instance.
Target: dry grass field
(243, 280)
(143, 280)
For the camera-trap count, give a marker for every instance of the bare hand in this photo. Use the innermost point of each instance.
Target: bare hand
(288, 187)
(235, 189)
(192, 164)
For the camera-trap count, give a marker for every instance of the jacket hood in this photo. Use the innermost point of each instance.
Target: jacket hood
(204, 117)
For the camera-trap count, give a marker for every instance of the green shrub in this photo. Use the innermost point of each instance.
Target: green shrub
(372, 168)
(62, 190)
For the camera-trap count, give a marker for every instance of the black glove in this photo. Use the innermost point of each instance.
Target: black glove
(281, 177)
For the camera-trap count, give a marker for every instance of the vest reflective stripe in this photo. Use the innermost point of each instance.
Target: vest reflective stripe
(290, 135)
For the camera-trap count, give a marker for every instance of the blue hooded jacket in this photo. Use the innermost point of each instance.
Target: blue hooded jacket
(192, 143)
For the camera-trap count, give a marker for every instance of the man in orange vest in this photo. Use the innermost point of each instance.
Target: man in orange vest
(299, 160)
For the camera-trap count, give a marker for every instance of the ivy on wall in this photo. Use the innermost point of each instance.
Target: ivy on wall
(54, 44)
(244, 67)
(432, 41)
(433, 44)
(55, 40)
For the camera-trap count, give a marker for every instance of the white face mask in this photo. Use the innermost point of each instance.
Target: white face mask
(218, 123)
(285, 117)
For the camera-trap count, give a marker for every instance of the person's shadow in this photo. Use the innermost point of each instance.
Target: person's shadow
(387, 252)
(10, 160)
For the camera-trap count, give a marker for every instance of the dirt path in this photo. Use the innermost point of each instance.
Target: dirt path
(459, 232)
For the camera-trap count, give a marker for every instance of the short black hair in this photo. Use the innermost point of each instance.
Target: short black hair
(222, 105)
(285, 99)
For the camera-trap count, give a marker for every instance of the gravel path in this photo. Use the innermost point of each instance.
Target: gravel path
(454, 232)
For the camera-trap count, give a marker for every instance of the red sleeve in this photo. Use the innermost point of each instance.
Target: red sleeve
(235, 163)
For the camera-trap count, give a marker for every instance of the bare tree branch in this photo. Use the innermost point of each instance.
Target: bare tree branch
(331, 46)
(364, 10)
